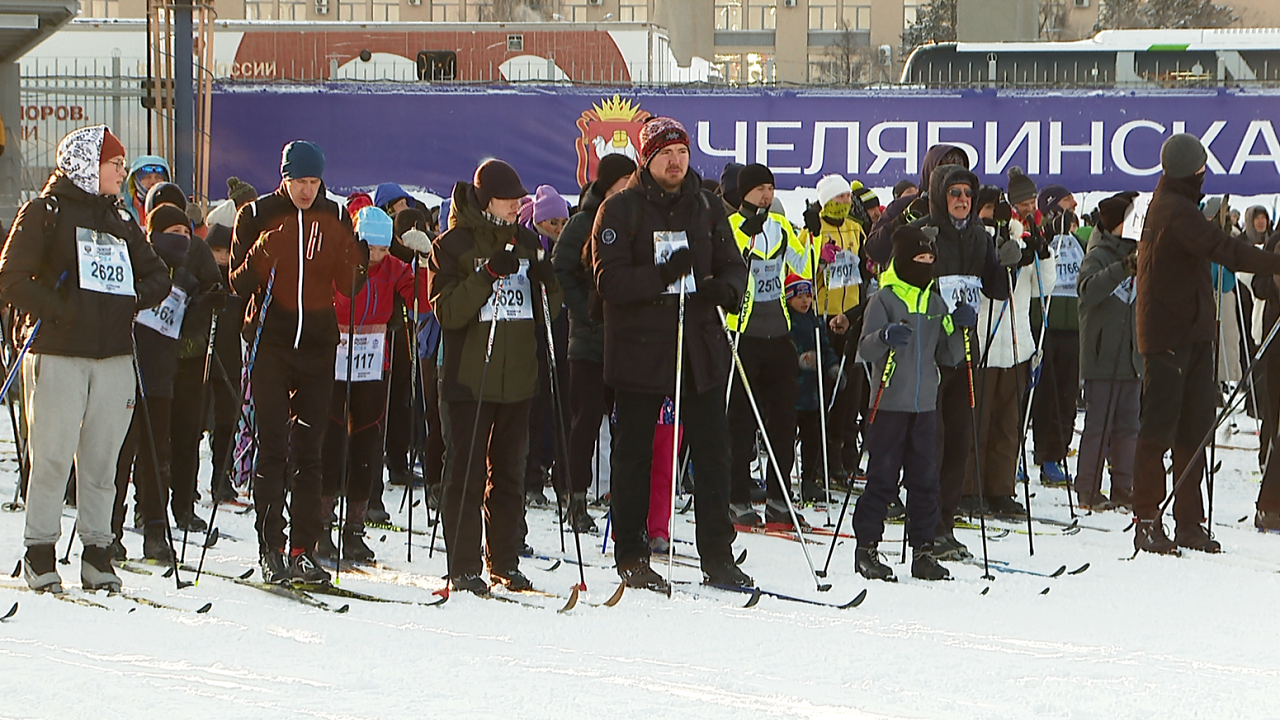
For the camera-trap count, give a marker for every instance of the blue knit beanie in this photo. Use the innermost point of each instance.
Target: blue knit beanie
(301, 159)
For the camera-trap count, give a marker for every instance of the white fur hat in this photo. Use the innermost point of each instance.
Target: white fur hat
(830, 186)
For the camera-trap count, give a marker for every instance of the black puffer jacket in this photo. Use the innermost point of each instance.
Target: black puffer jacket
(76, 323)
(586, 336)
(639, 320)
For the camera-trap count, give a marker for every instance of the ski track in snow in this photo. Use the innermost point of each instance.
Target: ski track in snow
(1154, 637)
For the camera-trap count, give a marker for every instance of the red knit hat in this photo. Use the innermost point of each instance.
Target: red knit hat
(796, 285)
(112, 148)
(657, 133)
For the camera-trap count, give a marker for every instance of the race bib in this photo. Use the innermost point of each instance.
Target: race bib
(1126, 291)
(766, 279)
(513, 295)
(368, 357)
(1070, 255)
(960, 289)
(104, 263)
(166, 318)
(843, 271)
(666, 242)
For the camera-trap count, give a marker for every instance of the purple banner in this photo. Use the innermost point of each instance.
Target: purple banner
(430, 136)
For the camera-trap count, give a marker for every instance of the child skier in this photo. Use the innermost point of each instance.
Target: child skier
(907, 333)
(808, 405)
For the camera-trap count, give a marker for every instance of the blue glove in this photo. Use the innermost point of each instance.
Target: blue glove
(965, 316)
(895, 335)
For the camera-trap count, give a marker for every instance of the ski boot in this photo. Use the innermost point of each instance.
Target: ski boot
(924, 566)
(96, 572)
(274, 568)
(744, 514)
(726, 573)
(1149, 537)
(469, 582)
(659, 545)
(354, 548)
(1054, 474)
(536, 498)
(812, 492)
(155, 543)
(1267, 520)
(579, 519)
(190, 522)
(223, 491)
(325, 547)
(117, 550)
(947, 547)
(1196, 537)
(866, 560)
(775, 511)
(513, 579)
(640, 575)
(896, 509)
(1004, 506)
(40, 569)
(304, 568)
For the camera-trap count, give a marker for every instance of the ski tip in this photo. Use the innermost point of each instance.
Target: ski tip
(572, 602)
(382, 539)
(12, 611)
(985, 590)
(1246, 517)
(17, 570)
(342, 610)
(856, 601)
(416, 503)
(616, 596)
(820, 573)
(742, 557)
(204, 608)
(132, 610)
(1044, 591)
(1075, 522)
(246, 574)
(754, 599)
(184, 584)
(554, 566)
(1079, 570)
(824, 587)
(168, 573)
(212, 538)
(1058, 572)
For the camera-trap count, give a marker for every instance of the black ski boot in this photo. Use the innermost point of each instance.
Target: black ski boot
(117, 550)
(1149, 537)
(640, 575)
(223, 491)
(896, 509)
(924, 566)
(744, 514)
(1267, 520)
(776, 511)
(469, 582)
(274, 568)
(726, 573)
(155, 543)
(866, 560)
(1196, 537)
(354, 547)
(96, 572)
(579, 519)
(812, 492)
(304, 568)
(513, 579)
(325, 547)
(40, 569)
(189, 521)
(947, 547)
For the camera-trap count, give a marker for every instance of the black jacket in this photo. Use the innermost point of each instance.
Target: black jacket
(1108, 339)
(321, 257)
(586, 336)
(76, 322)
(639, 321)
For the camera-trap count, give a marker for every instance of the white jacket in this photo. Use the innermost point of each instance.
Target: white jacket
(1017, 309)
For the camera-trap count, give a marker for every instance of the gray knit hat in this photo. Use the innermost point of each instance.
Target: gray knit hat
(1021, 187)
(1182, 156)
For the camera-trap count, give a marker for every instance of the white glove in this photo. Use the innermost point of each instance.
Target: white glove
(417, 241)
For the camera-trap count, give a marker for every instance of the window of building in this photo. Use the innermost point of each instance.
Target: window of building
(762, 16)
(729, 15)
(259, 9)
(104, 8)
(292, 10)
(909, 14)
(353, 10)
(633, 11)
(386, 11)
(823, 15)
(446, 10)
(857, 17)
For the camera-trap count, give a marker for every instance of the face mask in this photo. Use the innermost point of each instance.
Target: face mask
(836, 210)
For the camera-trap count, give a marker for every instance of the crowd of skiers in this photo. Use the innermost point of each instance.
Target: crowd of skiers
(911, 346)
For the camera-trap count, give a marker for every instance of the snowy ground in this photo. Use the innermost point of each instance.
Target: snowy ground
(1150, 638)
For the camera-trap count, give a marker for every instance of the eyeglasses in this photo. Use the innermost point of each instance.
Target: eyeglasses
(957, 192)
(118, 163)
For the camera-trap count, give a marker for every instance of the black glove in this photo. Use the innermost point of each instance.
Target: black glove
(964, 316)
(502, 264)
(896, 335)
(677, 265)
(542, 272)
(752, 225)
(1003, 212)
(719, 292)
(813, 218)
(183, 278)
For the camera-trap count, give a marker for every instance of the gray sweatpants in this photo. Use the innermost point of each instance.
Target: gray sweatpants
(76, 408)
(1110, 432)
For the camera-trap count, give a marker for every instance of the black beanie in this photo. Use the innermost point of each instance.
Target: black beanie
(166, 216)
(987, 195)
(1021, 187)
(902, 187)
(219, 237)
(409, 219)
(165, 192)
(729, 184)
(908, 242)
(751, 177)
(1113, 210)
(496, 179)
(612, 168)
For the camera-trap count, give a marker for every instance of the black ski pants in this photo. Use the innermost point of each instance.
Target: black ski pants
(150, 496)
(773, 369)
(1053, 408)
(706, 430)
(400, 410)
(590, 400)
(901, 445)
(186, 424)
(226, 404)
(1178, 399)
(955, 441)
(363, 433)
(291, 391)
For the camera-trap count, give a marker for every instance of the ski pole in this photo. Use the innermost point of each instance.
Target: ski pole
(768, 445)
(1036, 373)
(822, 415)
(17, 361)
(343, 469)
(977, 466)
(871, 417)
(1217, 391)
(557, 409)
(204, 384)
(675, 430)
(1026, 480)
